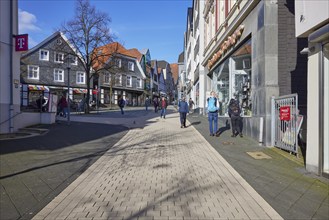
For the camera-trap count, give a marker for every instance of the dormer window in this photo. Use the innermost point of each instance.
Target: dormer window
(131, 66)
(44, 55)
(59, 57)
(118, 63)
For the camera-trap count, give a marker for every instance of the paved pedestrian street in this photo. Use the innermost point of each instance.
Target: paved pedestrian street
(160, 171)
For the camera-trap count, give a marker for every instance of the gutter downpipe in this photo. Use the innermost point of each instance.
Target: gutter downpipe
(321, 107)
(11, 105)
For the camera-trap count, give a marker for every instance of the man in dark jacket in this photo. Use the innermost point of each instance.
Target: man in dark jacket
(234, 112)
(183, 110)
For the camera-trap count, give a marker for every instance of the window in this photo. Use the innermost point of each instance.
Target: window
(118, 63)
(59, 57)
(129, 81)
(118, 80)
(33, 72)
(74, 60)
(58, 75)
(130, 66)
(81, 76)
(232, 79)
(139, 83)
(44, 55)
(107, 78)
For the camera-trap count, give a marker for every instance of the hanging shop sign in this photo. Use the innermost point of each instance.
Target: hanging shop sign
(227, 44)
(21, 42)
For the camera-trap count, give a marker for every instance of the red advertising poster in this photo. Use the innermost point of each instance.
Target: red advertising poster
(21, 42)
(285, 113)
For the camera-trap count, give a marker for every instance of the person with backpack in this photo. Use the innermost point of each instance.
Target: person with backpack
(234, 112)
(212, 107)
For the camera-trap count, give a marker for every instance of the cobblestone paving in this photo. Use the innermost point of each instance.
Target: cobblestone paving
(160, 172)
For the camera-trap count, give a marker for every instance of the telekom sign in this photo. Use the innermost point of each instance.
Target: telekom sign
(21, 42)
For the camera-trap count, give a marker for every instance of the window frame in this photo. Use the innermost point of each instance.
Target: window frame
(56, 55)
(118, 77)
(29, 71)
(107, 78)
(40, 55)
(118, 62)
(130, 80)
(131, 66)
(59, 74)
(139, 83)
(78, 77)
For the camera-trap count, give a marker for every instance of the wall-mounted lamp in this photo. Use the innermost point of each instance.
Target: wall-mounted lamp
(305, 51)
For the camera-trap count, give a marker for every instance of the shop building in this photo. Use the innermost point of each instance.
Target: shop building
(122, 76)
(46, 69)
(312, 22)
(252, 54)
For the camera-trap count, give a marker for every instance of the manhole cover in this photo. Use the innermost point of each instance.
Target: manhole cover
(258, 155)
(228, 143)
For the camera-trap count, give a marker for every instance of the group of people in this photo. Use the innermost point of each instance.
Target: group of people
(213, 107)
(234, 112)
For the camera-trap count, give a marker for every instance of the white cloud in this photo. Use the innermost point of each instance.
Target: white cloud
(27, 22)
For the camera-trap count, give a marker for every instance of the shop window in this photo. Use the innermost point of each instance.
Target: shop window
(232, 79)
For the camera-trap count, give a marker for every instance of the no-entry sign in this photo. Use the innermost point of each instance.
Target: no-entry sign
(285, 113)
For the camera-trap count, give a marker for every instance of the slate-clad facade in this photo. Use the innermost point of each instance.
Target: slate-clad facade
(44, 70)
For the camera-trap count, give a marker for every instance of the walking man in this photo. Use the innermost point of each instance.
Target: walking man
(183, 110)
(212, 113)
(163, 105)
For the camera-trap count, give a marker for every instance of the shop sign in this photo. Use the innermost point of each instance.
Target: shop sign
(285, 113)
(21, 42)
(229, 42)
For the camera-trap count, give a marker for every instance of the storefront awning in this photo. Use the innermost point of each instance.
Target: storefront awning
(79, 91)
(38, 87)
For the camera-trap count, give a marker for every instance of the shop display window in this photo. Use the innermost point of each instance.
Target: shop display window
(232, 79)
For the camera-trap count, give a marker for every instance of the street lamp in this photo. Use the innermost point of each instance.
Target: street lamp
(68, 67)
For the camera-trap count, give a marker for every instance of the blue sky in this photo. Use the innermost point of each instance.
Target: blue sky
(158, 25)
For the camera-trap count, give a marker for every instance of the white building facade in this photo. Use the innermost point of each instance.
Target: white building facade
(312, 21)
(9, 67)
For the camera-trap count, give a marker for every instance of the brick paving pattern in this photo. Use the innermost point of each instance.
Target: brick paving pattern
(160, 172)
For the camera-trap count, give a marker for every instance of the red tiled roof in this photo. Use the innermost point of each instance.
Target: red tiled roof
(109, 49)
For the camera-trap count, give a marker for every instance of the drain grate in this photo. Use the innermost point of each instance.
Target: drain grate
(258, 155)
